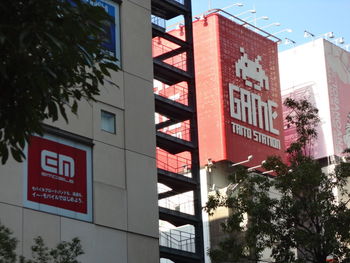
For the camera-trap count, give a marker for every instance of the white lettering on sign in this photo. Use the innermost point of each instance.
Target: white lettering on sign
(58, 164)
(98, 3)
(256, 136)
(250, 108)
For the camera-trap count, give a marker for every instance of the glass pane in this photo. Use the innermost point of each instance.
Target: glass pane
(108, 121)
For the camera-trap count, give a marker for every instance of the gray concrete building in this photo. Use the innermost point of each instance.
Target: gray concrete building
(119, 218)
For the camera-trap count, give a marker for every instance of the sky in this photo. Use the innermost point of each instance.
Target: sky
(316, 16)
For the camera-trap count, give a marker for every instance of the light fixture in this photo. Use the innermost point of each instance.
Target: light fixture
(252, 11)
(259, 18)
(329, 35)
(283, 30)
(267, 172)
(339, 41)
(270, 171)
(288, 41)
(229, 6)
(308, 34)
(270, 25)
(250, 157)
(257, 166)
(209, 165)
(248, 17)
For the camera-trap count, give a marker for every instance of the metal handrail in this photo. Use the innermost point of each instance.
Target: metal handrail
(173, 163)
(156, 20)
(186, 207)
(177, 92)
(242, 23)
(174, 239)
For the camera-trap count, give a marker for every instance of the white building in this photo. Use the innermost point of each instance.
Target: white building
(319, 71)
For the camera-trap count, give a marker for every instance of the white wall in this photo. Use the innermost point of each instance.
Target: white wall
(303, 74)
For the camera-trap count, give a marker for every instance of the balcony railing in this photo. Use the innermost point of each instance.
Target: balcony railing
(182, 202)
(181, 130)
(177, 239)
(177, 92)
(174, 163)
(162, 46)
(158, 21)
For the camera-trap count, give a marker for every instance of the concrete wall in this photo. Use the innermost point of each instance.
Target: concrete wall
(125, 211)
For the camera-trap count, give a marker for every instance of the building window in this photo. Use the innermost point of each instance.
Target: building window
(108, 121)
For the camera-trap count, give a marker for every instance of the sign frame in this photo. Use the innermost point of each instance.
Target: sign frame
(88, 216)
(113, 9)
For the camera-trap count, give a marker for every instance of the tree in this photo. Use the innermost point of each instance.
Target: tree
(52, 56)
(64, 252)
(7, 245)
(304, 221)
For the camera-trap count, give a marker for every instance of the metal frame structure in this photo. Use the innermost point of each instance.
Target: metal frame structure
(175, 113)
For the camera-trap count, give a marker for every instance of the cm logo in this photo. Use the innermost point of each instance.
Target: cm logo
(58, 164)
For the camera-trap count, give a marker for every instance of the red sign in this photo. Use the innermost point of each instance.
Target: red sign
(238, 93)
(57, 175)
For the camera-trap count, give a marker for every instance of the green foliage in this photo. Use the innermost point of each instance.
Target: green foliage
(304, 117)
(295, 211)
(51, 58)
(64, 252)
(7, 246)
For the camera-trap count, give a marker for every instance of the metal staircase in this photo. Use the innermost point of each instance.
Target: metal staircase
(176, 125)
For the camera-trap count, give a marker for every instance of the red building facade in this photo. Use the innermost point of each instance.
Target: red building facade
(238, 92)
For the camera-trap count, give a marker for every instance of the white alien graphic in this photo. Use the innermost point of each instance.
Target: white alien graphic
(250, 71)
